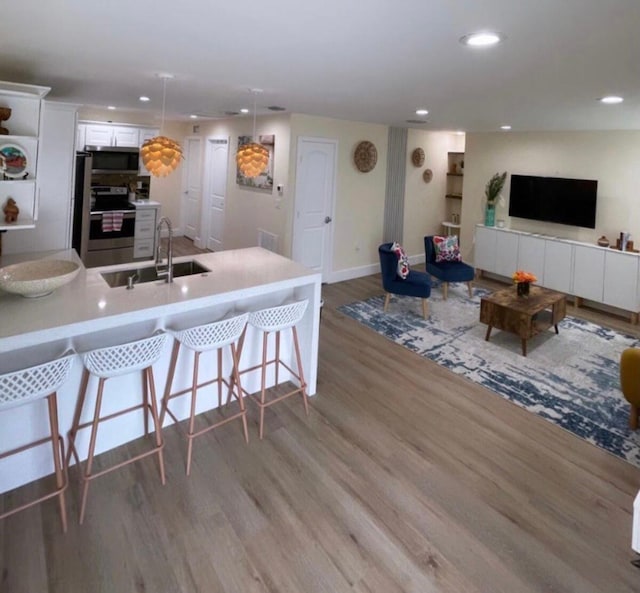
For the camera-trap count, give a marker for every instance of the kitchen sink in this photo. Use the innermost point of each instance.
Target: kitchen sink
(149, 274)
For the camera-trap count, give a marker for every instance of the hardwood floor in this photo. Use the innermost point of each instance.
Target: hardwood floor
(404, 478)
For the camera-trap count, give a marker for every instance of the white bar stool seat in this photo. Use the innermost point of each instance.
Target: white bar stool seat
(28, 386)
(274, 320)
(105, 363)
(203, 338)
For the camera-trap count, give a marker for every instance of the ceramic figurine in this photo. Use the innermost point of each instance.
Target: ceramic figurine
(11, 211)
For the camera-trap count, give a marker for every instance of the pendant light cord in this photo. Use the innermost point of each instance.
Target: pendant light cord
(164, 98)
(253, 138)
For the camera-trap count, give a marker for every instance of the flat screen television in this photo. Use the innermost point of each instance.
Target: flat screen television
(554, 199)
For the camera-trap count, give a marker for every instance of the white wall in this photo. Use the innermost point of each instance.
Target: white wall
(247, 209)
(425, 205)
(359, 208)
(609, 157)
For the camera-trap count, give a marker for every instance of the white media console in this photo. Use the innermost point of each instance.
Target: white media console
(599, 274)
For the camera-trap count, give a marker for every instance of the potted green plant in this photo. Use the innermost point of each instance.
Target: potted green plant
(492, 194)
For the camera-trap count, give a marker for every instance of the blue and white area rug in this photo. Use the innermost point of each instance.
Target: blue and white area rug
(571, 379)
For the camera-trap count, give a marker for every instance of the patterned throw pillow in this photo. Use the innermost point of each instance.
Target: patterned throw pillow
(447, 249)
(403, 260)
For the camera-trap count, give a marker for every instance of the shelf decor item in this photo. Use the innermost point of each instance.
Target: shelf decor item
(523, 282)
(13, 161)
(492, 194)
(417, 157)
(365, 156)
(5, 114)
(11, 211)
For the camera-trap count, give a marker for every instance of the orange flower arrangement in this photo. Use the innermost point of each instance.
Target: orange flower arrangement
(522, 276)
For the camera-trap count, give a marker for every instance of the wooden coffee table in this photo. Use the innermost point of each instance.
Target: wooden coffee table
(523, 316)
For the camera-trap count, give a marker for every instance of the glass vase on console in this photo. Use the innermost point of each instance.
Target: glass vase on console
(490, 215)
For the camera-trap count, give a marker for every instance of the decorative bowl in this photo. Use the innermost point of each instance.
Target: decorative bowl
(37, 278)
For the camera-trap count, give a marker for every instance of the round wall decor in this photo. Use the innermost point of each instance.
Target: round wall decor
(417, 157)
(427, 175)
(365, 156)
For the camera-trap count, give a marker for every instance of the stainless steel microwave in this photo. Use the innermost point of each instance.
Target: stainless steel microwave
(114, 159)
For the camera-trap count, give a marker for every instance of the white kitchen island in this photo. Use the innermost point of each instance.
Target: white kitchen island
(87, 313)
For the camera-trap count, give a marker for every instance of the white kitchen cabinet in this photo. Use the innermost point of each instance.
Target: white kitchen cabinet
(621, 280)
(485, 249)
(558, 262)
(19, 180)
(588, 272)
(116, 135)
(98, 135)
(531, 253)
(598, 274)
(81, 136)
(144, 246)
(56, 161)
(506, 253)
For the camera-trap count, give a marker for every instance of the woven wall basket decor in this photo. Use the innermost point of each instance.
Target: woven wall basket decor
(365, 156)
(417, 157)
(427, 175)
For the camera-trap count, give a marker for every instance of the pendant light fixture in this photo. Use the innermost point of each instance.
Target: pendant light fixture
(252, 158)
(161, 155)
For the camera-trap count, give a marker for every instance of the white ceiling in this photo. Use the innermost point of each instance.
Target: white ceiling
(363, 60)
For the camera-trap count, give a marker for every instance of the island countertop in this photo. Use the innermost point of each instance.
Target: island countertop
(87, 313)
(88, 303)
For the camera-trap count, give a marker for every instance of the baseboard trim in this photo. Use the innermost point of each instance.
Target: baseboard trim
(368, 270)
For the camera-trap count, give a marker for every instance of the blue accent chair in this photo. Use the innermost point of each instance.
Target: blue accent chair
(416, 284)
(447, 271)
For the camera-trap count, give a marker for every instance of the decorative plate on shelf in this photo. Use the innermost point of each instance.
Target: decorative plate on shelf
(365, 156)
(427, 175)
(13, 160)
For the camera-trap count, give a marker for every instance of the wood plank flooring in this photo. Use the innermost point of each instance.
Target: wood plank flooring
(404, 478)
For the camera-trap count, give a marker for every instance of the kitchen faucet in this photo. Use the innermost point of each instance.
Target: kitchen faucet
(161, 270)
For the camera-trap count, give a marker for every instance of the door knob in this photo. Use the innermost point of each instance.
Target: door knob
(327, 219)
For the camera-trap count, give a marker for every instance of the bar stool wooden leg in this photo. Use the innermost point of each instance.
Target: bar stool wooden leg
(145, 403)
(170, 376)
(219, 377)
(148, 373)
(236, 378)
(303, 384)
(84, 383)
(58, 457)
(92, 447)
(277, 356)
(263, 380)
(192, 414)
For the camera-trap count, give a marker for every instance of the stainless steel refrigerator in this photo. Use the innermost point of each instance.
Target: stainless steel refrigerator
(82, 205)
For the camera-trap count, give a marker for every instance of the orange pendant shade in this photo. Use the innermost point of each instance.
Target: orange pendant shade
(161, 155)
(252, 159)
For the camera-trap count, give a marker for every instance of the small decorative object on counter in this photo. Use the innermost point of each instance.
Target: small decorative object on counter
(5, 114)
(523, 282)
(11, 211)
(603, 241)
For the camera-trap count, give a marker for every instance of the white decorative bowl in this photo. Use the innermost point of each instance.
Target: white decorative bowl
(37, 278)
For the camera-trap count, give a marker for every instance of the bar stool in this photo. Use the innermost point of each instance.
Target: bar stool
(27, 386)
(275, 320)
(106, 363)
(199, 339)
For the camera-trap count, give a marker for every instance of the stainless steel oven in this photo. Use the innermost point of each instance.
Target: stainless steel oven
(108, 245)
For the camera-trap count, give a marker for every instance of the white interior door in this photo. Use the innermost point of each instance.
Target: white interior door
(216, 170)
(193, 188)
(314, 203)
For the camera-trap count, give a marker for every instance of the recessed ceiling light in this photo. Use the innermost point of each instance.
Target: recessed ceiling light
(244, 110)
(611, 100)
(505, 127)
(460, 132)
(482, 38)
(111, 107)
(422, 112)
(144, 99)
(193, 116)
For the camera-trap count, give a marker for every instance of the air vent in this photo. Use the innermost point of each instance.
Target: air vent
(231, 113)
(276, 108)
(416, 121)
